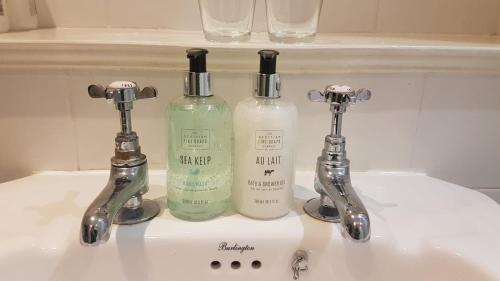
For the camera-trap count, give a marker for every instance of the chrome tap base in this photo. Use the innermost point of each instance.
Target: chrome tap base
(147, 210)
(323, 212)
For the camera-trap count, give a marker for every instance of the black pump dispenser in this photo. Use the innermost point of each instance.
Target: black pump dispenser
(268, 61)
(267, 81)
(197, 60)
(197, 81)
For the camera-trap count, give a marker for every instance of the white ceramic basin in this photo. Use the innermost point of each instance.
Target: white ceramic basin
(422, 229)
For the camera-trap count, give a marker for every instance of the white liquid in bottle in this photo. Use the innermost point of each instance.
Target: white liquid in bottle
(264, 142)
(264, 131)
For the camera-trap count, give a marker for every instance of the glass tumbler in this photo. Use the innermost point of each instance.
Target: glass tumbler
(227, 20)
(293, 21)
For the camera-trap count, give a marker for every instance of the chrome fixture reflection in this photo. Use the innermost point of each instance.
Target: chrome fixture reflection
(299, 263)
(121, 200)
(338, 202)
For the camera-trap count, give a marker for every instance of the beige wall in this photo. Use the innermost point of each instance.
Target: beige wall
(381, 16)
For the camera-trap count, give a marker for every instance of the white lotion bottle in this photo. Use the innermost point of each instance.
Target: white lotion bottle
(23, 14)
(264, 147)
(4, 17)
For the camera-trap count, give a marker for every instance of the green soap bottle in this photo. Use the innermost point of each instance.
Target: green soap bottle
(199, 175)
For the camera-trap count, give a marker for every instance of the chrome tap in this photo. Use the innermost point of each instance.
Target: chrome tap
(121, 200)
(338, 202)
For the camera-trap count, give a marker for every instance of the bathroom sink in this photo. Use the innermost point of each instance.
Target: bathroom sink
(422, 229)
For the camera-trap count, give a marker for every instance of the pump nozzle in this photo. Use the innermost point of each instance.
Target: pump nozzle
(268, 61)
(197, 60)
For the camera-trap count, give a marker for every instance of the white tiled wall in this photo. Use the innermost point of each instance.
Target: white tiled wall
(447, 125)
(458, 134)
(37, 131)
(383, 16)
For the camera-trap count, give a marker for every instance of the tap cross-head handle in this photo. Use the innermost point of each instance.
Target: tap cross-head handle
(339, 95)
(123, 94)
(120, 92)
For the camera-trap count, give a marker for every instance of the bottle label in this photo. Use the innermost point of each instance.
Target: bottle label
(269, 177)
(194, 158)
(199, 166)
(264, 158)
(195, 139)
(268, 140)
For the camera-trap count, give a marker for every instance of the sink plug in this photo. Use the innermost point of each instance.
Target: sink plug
(121, 200)
(299, 263)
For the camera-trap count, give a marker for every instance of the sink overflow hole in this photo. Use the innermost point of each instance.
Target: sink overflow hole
(215, 264)
(256, 264)
(235, 265)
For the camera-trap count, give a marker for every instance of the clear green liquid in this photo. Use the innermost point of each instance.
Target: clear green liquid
(199, 174)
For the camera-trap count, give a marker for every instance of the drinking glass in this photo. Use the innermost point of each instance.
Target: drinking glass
(227, 20)
(293, 21)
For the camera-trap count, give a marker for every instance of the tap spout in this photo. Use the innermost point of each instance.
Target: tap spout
(125, 183)
(335, 183)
